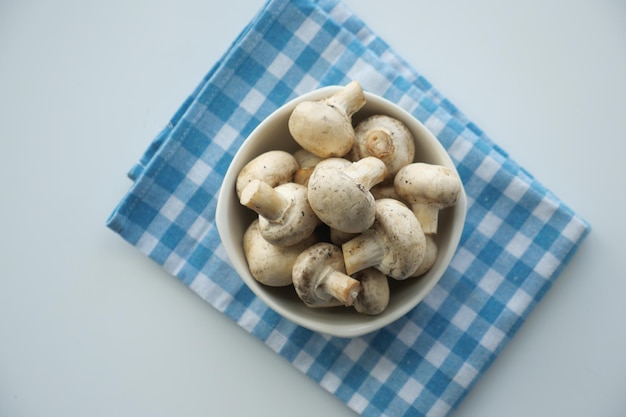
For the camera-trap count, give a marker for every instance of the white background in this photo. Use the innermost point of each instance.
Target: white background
(89, 327)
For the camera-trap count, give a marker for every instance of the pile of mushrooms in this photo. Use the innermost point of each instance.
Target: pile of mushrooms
(347, 212)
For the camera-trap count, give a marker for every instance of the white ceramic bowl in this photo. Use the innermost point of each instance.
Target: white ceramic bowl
(233, 219)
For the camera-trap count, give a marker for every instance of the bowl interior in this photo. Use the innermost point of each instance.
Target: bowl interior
(233, 219)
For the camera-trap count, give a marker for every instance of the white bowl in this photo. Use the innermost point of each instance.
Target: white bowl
(232, 220)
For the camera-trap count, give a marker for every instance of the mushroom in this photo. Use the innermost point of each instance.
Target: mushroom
(429, 258)
(427, 188)
(340, 196)
(385, 189)
(262, 257)
(307, 162)
(319, 277)
(285, 216)
(395, 244)
(385, 138)
(374, 296)
(324, 127)
(339, 238)
(334, 162)
(271, 167)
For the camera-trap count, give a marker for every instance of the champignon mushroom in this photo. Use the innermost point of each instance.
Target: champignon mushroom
(333, 162)
(385, 138)
(340, 196)
(319, 277)
(339, 238)
(324, 127)
(269, 264)
(374, 296)
(285, 216)
(385, 189)
(428, 188)
(429, 258)
(307, 162)
(395, 244)
(272, 167)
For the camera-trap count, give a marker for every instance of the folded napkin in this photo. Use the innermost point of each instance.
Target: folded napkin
(517, 239)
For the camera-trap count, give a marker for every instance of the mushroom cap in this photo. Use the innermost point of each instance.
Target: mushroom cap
(334, 162)
(340, 198)
(306, 159)
(320, 129)
(298, 222)
(385, 190)
(385, 138)
(374, 296)
(338, 201)
(313, 270)
(422, 183)
(403, 234)
(303, 175)
(430, 257)
(269, 264)
(272, 167)
(339, 238)
(324, 127)
(307, 162)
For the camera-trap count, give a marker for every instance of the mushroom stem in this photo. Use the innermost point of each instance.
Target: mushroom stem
(341, 286)
(362, 252)
(368, 171)
(427, 215)
(379, 143)
(350, 98)
(263, 199)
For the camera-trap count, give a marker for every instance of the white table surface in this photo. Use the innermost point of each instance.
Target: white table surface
(89, 327)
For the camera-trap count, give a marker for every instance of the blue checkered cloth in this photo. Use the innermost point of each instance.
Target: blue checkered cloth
(517, 239)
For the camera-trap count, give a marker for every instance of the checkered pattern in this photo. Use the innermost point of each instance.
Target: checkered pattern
(517, 239)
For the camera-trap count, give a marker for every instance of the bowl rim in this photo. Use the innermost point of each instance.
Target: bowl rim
(339, 329)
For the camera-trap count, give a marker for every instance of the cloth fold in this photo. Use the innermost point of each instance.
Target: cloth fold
(517, 239)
